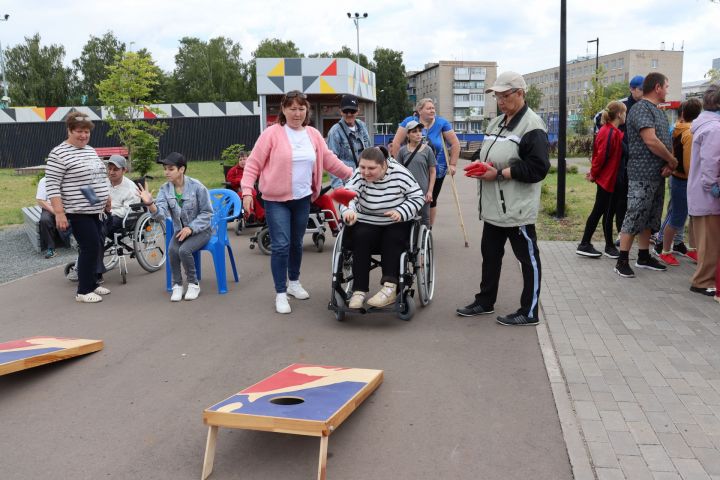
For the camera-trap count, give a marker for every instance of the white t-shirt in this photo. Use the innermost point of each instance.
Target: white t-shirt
(41, 193)
(303, 161)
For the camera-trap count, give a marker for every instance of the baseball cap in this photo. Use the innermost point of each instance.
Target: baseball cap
(507, 81)
(349, 102)
(413, 124)
(118, 160)
(636, 81)
(175, 159)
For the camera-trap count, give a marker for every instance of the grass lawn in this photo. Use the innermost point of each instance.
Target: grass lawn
(17, 191)
(579, 200)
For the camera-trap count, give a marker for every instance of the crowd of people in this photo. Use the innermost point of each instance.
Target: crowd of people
(643, 154)
(634, 151)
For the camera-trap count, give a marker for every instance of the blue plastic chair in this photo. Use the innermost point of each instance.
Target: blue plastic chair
(226, 206)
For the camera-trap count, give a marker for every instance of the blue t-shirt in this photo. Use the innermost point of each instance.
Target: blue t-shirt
(435, 138)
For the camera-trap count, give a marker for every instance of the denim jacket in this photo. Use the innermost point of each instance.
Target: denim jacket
(196, 211)
(338, 142)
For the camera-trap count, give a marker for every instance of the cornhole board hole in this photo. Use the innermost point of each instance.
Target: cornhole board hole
(300, 399)
(31, 352)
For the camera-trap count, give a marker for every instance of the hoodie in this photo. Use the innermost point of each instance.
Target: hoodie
(704, 165)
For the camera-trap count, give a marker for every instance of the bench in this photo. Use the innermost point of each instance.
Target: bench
(32, 225)
(106, 152)
(471, 148)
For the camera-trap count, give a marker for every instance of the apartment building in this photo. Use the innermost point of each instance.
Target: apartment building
(458, 89)
(619, 67)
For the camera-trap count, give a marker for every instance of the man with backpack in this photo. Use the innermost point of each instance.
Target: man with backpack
(348, 137)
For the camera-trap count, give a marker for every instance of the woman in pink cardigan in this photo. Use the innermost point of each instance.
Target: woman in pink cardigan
(289, 158)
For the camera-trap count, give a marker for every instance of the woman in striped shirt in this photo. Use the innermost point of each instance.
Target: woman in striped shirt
(388, 198)
(78, 189)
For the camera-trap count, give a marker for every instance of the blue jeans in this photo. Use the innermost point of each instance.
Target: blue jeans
(677, 211)
(287, 222)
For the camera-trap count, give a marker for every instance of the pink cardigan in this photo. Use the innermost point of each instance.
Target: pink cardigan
(271, 160)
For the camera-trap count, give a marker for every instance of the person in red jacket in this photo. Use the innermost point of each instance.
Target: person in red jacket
(234, 177)
(607, 151)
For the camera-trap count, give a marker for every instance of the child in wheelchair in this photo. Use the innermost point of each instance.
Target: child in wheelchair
(379, 219)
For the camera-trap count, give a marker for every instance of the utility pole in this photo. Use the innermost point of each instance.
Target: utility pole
(356, 20)
(562, 120)
(5, 99)
(597, 52)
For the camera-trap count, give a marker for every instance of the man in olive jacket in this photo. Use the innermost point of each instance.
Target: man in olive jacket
(515, 152)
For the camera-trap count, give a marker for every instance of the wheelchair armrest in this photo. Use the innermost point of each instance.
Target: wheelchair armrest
(227, 185)
(324, 190)
(137, 207)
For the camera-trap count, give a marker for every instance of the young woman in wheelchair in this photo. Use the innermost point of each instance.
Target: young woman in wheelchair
(187, 202)
(379, 219)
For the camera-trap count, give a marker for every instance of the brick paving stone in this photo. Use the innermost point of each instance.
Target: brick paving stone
(665, 476)
(695, 436)
(609, 474)
(586, 410)
(690, 469)
(623, 443)
(675, 445)
(709, 459)
(614, 421)
(635, 468)
(603, 455)
(656, 458)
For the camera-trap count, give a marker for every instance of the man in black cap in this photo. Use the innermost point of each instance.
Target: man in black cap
(349, 136)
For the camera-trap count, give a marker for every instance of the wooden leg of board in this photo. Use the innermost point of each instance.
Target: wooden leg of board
(209, 452)
(322, 465)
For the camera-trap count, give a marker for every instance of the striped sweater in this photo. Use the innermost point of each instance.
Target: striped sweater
(397, 190)
(68, 169)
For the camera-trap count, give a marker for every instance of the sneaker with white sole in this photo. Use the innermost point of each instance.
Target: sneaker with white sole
(193, 291)
(296, 290)
(357, 300)
(177, 293)
(102, 291)
(281, 303)
(384, 297)
(91, 297)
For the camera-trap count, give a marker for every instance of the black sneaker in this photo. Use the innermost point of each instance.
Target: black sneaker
(680, 249)
(587, 250)
(611, 251)
(709, 292)
(650, 263)
(474, 309)
(517, 319)
(622, 268)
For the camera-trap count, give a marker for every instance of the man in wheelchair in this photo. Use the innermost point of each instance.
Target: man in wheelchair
(123, 194)
(379, 219)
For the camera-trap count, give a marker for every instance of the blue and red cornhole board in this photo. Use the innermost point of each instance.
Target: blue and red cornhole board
(31, 352)
(301, 399)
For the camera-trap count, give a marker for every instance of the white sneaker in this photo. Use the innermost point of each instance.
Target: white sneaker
(384, 297)
(296, 290)
(91, 297)
(177, 292)
(281, 303)
(193, 291)
(357, 300)
(102, 291)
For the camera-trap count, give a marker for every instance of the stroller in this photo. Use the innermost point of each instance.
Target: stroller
(322, 216)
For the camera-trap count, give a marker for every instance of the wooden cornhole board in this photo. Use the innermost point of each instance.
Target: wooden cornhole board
(31, 352)
(300, 399)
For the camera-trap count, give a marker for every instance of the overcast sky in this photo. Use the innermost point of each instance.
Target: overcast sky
(520, 35)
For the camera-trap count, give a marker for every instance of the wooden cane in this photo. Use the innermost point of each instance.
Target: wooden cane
(457, 204)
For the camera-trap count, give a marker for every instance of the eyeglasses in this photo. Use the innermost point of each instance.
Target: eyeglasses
(81, 118)
(505, 96)
(350, 112)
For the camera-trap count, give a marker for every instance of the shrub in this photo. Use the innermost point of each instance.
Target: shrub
(229, 156)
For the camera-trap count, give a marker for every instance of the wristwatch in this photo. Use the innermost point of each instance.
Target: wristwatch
(500, 176)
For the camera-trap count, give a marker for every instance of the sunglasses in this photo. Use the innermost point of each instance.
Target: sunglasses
(350, 112)
(295, 94)
(505, 96)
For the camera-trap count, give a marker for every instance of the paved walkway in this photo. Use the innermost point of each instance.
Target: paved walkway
(638, 383)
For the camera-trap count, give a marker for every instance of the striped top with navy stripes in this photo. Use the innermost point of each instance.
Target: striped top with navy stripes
(69, 168)
(397, 190)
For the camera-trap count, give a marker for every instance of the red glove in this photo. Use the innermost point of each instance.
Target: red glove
(343, 195)
(476, 170)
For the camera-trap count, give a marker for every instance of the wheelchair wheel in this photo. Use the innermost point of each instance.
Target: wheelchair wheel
(319, 241)
(149, 243)
(263, 241)
(70, 272)
(342, 283)
(426, 270)
(239, 225)
(407, 313)
(111, 258)
(123, 270)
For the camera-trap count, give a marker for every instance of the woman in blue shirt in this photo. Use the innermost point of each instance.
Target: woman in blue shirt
(437, 132)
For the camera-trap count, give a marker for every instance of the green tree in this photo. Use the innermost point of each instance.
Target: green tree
(36, 74)
(91, 67)
(391, 84)
(127, 94)
(533, 97)
(268, 48)
(209, 71)
(595, 100)
(616, 91)
(713, 74)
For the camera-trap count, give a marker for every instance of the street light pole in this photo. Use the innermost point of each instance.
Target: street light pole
(597, 52)
(2, 65)
(356, 20)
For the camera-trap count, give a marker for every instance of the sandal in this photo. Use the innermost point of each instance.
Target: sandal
(384, 297)
(357, 300)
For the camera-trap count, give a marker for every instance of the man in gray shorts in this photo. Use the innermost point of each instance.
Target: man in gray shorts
(651, 160)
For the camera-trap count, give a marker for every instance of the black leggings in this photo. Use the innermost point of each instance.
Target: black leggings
(601, 209)
(618, 204)
(436, 190)
(389, 240)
